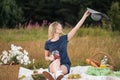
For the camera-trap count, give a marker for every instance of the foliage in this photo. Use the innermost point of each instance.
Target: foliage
(86, 42)
(92, 32)
(38, 77)
(69, 11)
(10, 14)
(38, 63)
(114, 14)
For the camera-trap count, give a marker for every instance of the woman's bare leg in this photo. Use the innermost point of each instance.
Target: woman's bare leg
(64, 69)
(55, 66)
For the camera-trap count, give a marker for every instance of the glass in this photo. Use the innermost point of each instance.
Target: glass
(56, 55)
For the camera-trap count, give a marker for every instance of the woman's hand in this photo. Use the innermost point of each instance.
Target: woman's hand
(51, 58)
(78, 25)
(87, 13)
(48, 57)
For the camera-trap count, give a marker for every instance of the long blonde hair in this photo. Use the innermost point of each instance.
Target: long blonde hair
(52, 29)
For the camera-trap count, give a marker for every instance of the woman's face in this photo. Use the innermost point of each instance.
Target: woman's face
(59, 29)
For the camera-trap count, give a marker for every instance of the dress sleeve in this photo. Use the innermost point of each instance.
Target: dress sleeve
(65, 37)
(46, 46)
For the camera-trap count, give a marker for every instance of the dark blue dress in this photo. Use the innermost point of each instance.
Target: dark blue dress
(61, 46)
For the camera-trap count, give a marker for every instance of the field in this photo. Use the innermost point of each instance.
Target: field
(85, 43)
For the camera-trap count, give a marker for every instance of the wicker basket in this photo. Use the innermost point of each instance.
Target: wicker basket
(97, 57)
(9, 72)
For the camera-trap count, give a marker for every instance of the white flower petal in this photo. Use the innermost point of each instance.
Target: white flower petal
(21, 56)
(25, 52)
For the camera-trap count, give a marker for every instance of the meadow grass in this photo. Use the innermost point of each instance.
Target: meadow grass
(85, 43)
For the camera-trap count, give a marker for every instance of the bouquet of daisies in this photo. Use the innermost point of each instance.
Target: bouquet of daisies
(15, 56)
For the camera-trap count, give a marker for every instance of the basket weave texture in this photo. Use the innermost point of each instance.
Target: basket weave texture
(9, 72)
(99, 56)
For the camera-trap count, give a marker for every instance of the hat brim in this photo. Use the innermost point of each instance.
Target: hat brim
(92, 11)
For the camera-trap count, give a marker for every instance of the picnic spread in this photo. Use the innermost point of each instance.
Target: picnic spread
(77, 73)
(101, 67)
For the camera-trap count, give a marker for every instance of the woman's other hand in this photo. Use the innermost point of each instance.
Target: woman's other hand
(51, 58)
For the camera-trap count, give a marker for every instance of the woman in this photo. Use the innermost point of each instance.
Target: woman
(59, 65)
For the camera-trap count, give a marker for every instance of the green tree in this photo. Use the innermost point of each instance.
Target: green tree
(60, 10)
(114, 14)
(10, 14)
(38, 10)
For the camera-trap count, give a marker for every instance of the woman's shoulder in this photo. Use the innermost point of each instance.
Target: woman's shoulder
(47, 41)
(64, 36)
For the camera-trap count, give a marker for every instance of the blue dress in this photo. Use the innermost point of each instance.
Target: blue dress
(61, 46)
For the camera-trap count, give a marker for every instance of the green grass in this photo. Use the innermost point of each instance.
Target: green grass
(85, 43)
(22, 34)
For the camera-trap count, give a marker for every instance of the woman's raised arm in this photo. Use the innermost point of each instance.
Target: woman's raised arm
(79, 24)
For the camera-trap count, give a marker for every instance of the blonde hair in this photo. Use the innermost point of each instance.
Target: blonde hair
(52, 29)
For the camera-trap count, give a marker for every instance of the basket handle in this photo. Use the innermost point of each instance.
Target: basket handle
(103, 53)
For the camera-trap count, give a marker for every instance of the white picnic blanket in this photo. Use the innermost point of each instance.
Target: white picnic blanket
(77, 69)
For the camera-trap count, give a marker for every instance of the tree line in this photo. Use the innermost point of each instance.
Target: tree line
(15, 12)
